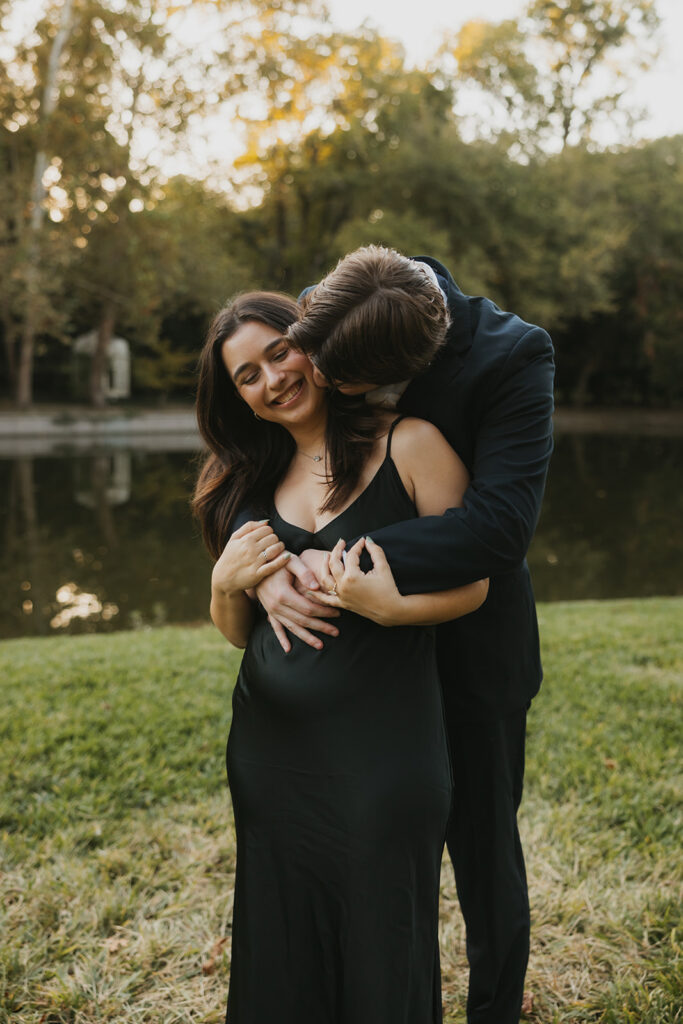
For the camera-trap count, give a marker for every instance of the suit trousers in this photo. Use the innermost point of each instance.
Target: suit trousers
(484, 845)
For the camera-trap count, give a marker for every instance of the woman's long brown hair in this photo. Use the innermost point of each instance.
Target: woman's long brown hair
(248, 457)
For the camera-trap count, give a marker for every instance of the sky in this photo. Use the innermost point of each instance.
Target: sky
(418, 24)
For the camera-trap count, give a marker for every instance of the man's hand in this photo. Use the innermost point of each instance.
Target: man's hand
(291, 611)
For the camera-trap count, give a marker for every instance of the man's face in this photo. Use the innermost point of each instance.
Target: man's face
(346, 389)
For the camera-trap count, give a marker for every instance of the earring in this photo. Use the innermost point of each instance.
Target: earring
(257, 416)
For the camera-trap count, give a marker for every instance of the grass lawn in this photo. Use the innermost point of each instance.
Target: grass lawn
(118, 846)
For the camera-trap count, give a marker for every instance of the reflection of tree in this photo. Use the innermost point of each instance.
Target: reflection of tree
(149, 561)
(101, 472)
(25, 550)
(609, 526)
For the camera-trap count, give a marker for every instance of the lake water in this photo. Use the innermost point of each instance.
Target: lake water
(104, 540)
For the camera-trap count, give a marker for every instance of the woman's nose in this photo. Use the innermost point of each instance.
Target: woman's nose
(273, 374)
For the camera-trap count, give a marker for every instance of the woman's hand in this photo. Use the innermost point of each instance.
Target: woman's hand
(373, 594)
(376, 596)
(252, 553)
(317, 562)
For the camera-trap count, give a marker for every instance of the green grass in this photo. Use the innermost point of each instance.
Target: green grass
(118, 844)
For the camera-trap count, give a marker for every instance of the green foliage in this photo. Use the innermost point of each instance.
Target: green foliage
(557, 71)
(80, 98)
(343, 144)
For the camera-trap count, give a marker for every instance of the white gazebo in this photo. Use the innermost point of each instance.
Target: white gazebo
(116, 374)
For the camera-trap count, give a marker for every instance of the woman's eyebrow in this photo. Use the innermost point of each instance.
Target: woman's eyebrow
(269, 347)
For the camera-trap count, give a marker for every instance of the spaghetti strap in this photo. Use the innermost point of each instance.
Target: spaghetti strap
(390, 434)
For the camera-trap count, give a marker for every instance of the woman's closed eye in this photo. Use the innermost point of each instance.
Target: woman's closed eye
(250, 377)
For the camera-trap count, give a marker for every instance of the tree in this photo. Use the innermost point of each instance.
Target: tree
(80, 98)
(558, 71)
(339, 183)
(649, 271)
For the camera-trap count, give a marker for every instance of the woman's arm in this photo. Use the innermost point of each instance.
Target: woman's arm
(252, 553)
(436, 479)
(375, 596)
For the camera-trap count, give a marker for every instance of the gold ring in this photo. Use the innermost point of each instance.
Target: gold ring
(333, 592)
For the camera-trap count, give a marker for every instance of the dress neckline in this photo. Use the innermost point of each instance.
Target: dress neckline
(387, 459)
(316, 533)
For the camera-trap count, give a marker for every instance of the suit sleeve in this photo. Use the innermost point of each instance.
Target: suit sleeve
(491, 533)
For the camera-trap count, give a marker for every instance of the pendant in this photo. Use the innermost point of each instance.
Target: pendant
(317, 458)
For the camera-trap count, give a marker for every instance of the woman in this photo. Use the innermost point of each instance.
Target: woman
(337, 757)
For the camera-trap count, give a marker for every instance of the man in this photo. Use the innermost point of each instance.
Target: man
(376, 325)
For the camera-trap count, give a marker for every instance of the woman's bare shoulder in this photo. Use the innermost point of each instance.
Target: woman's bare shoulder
(430, 469)
(411, 433)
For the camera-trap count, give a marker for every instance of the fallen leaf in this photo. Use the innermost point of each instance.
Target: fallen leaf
(210, 966)
(527, 1002)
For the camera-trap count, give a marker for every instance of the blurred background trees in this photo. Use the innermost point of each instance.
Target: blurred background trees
(120, 211)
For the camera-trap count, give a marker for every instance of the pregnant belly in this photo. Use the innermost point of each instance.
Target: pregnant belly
(365, 662)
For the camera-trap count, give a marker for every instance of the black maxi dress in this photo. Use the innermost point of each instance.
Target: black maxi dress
(341, 787)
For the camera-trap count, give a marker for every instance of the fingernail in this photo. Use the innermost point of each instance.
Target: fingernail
(288, 555)
(260, 521)
(369, 540)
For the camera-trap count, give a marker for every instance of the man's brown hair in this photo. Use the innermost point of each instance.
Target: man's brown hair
(376, 318)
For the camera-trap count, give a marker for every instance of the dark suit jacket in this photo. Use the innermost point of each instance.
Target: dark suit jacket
(490, 392)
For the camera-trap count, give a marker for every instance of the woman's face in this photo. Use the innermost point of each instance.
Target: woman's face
(274, 380)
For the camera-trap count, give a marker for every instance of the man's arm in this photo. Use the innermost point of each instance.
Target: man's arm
(491, 533)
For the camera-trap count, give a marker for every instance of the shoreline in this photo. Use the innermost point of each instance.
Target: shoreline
(82, 421)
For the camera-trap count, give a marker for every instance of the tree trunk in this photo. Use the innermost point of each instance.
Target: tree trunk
(581, 393)
(33, 556)
(24, 380)
(10, 336)
(98, 364)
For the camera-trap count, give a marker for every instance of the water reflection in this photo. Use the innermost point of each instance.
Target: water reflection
(106, 541)
(99, 543)
(610, 525)
(108, 483)
(78, 605)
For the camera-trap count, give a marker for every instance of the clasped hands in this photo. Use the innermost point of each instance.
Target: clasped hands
(304, 597)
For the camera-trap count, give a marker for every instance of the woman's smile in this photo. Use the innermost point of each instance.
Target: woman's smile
(290, 396)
